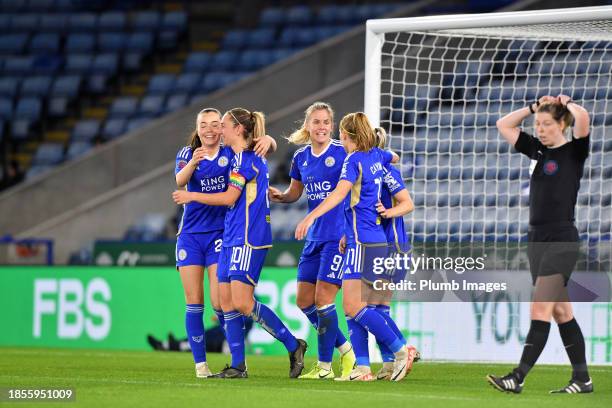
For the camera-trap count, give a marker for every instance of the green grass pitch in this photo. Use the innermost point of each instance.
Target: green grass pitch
(155, 379)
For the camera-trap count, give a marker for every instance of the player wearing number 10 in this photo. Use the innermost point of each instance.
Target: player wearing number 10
(247, 236)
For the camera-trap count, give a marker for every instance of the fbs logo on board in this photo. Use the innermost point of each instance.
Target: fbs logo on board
(78, 308)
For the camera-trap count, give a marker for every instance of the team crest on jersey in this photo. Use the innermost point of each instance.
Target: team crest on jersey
(330, 161)
(550, 167)
(197, 339)
(182, 255)
(182, 164)
(222, 162)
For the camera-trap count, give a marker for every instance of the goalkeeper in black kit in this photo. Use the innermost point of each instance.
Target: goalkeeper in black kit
(553, 237)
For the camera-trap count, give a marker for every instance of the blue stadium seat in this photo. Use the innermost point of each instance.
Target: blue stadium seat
(167, 40)
(25, 22)
(224, 60)
(82, 22)
(9, 86)
(151, 106)
(45, 43)
(6, 108)
(132, 61)
(36, 86)
(112, 21)
(80, 64)
(235, 39)
(261, 38)
(68, 86)
(41, 5)
(140, 42)
(161, 84)
(146, 21)
(46, 64)
(175, 102)
(114, 128)
(85, 130)
(77, 149)
(271, 17)
(124, 107)
(11, 44)
(57, 107)
(48, 154)
(306, 37)
(53, 23)
(106, 64)
(112, 42)
(136, 123)
(198, 62)
(187, 83)
(299, 15)
(80, 43)
(36, 170)
(174, 20)
(253, 59)
(323, 33)
(328, 15)
(282, 53)
(288, 37)
(29, 109)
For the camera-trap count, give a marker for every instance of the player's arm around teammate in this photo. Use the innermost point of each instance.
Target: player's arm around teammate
(315, 168)
(246, 239)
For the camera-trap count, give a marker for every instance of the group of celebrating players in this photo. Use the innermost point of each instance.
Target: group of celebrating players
(356, 200)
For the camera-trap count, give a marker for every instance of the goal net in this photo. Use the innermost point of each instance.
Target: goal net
(438, 85)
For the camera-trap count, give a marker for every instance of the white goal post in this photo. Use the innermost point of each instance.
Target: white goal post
(437, 84)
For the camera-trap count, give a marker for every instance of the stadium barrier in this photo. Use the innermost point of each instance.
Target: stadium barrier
(115, 308)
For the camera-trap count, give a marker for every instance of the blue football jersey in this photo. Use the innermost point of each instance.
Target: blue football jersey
(247, 222)
(365, 171)
(394, 227)
(211, 176)
(320, 174)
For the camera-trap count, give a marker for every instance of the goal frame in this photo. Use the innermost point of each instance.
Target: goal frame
(377, 28)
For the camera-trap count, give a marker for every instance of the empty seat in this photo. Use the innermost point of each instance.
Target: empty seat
(66, 86)
(124, 107)
(272, 17)
(112, 21)
(48, 154)
(114, 128)
(79, 63)
(29, 109)
(85, 130)
(198, 62)
(77, 149)
(112, 42)
(25, 22)
(140, 42)
(175, 102)
(224, 60)
(235, 39)
(36, 86)
(53, 23)
(13, 43)
(146, 21)
(37, 170)
(45, 43)
(187, 83)
(79, 43)
(82, 22)
(136, 123)
(261, 38)
(151, 105)
(132, 61)
(6, 108)
(107, 64)
(174, 20)
(161, 84)
(9, 86)
(299, 15)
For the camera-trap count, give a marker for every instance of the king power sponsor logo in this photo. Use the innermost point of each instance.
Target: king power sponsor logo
(79, 308)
